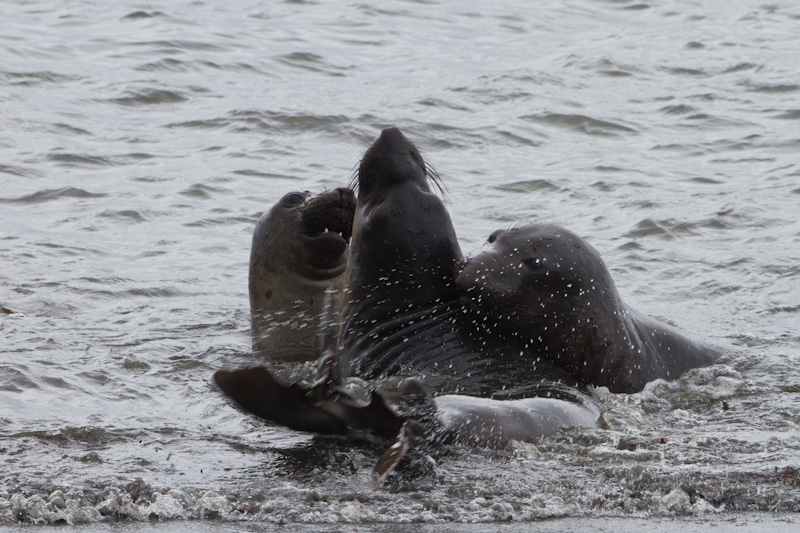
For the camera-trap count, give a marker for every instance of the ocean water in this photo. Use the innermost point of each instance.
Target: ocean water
(139, 144)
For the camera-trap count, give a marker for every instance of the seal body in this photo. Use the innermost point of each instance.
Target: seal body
(402, 314)
(298, 253)
(399, 284)
(548, 291)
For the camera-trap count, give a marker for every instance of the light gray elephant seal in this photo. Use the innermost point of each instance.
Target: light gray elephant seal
(298, 253)
(547, 290)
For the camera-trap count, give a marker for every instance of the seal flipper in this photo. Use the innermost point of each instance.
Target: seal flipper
(393, 454)
(256, 391)
(416, 403)
(322, 408)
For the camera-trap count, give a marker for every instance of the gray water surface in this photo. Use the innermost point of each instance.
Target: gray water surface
(139, 144)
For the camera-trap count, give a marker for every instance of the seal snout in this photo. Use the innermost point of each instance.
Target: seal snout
(391, 160)
(469, 285)
(392, 136)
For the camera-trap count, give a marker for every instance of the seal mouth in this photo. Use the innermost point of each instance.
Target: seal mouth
(334, 226)
(330, 215)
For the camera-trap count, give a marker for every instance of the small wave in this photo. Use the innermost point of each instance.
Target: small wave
(136, 500)
(138, 15)
(685, 71)
(311, 62)
(516, 138)
(53, 194)
(605, 67)
(61, 128)
(205, 192)
(124, 294)
(153, 292)
(528, 186)
(170, 64)
(679, 109)
(221, 221)
(178, 45)
(80, 159)
(667, 229)
(37, 78)
(18, 171)
(443, 104)
(127, 215)
(149, 97)
(581, 124)
(262, 174)
(299, 122)
(13, 379)
(207, 124)
(249, 120)
(739, 67)
(92, 160)
(774, 88)
(84, 434)
(792, 114)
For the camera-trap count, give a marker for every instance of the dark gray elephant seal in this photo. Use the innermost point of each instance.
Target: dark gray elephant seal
(551, 291)
(402, 315)
(298, 253)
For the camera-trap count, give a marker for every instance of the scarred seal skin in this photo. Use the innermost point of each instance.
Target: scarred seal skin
(299, 252)
(549, 292)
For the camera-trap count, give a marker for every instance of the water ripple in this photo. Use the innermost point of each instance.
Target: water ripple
(146, 97)
(581, 124)
(53, 194)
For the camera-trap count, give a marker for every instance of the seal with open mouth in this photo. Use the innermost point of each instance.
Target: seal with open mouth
(299, 252)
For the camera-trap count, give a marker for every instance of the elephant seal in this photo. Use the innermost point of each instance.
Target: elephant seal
(298, 253)
(549, 291)
(401, 316)
(401, 312)
(400, 274)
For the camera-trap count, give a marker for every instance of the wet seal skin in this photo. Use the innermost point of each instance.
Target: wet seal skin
(401, 313)
(299, 252)
(403, 252)
(549, 291)
(401, 316)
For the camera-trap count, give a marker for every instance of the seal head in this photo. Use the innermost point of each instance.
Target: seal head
(550, 291)
(299, 252)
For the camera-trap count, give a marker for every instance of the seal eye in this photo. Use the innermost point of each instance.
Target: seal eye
(535, 265)
(493, 236)
(293, 198)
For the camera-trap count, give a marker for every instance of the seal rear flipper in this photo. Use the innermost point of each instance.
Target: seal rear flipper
(256, 391)
(321, 408)
(393, 454)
